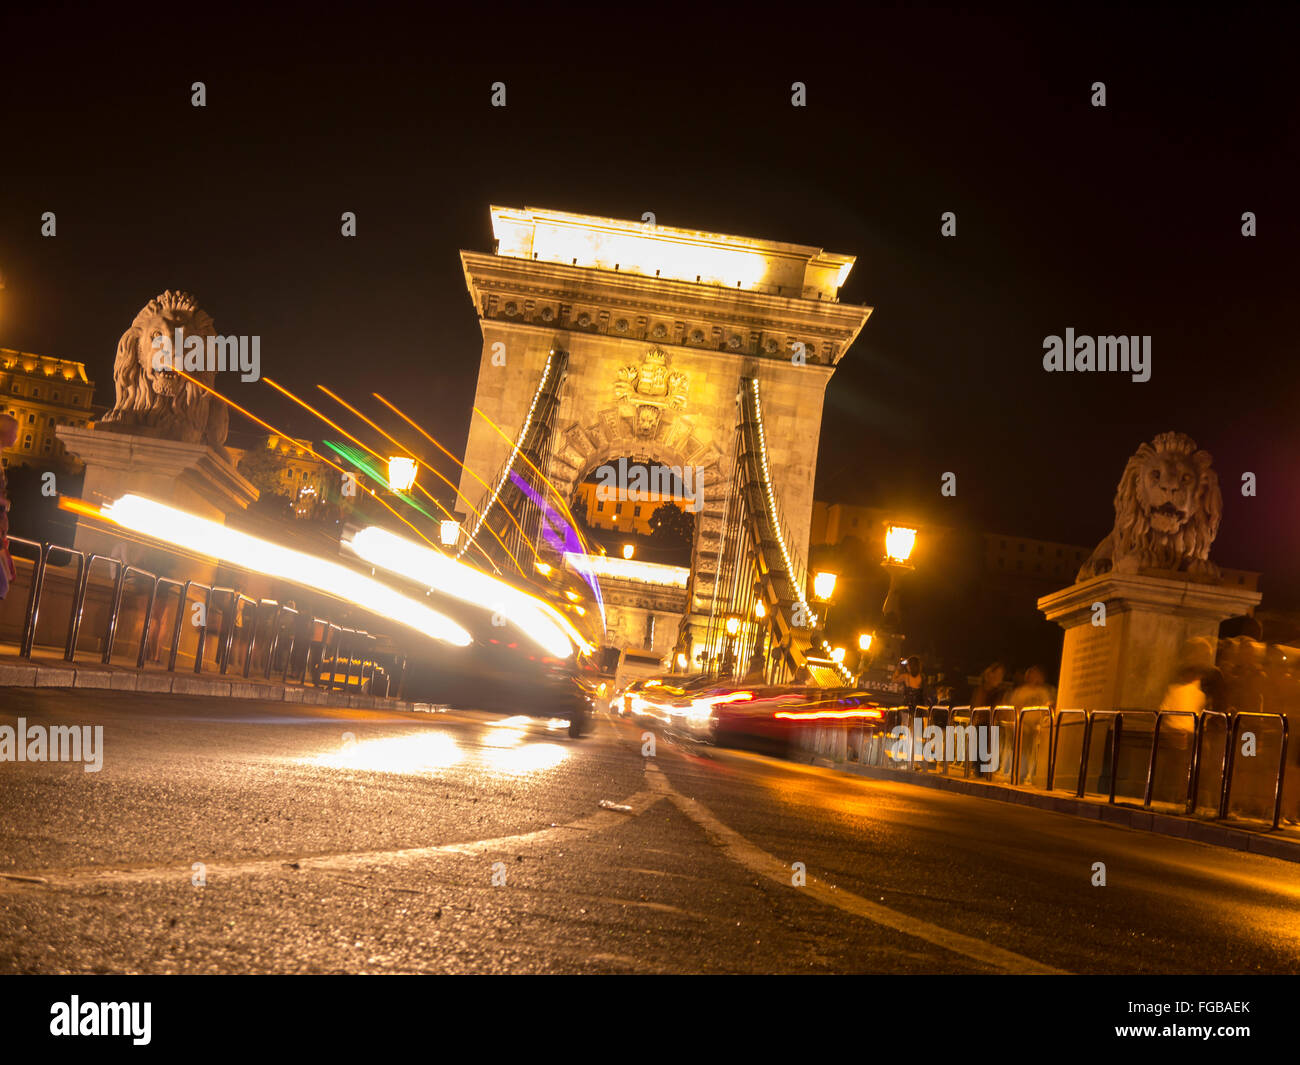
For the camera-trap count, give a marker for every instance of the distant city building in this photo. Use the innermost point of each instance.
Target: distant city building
(1055, 565)
(620, 515)
(41, 392)
(303, 477)
(959, 575)
(832, 523)
(1021, 559)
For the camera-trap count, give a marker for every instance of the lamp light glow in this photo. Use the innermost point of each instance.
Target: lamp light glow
(538, 620)
(401, 473)
(824, 584)
(899, 541)
(262, 556)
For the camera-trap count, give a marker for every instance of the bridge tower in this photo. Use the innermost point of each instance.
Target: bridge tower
(605, 339)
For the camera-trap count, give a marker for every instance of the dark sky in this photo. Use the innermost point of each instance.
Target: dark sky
(1121, 220)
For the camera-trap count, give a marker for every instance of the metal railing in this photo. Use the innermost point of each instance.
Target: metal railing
(1119, 723)
(375, 671)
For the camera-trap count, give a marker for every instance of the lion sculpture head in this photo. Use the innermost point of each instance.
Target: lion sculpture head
(1167, 512)
(153, 400)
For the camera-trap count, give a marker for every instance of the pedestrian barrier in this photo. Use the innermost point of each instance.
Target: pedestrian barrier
(1234, 752)
(133, 607)
(1190, 762)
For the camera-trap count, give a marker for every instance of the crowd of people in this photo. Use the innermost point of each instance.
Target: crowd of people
(1244, 675)
(1026, 687)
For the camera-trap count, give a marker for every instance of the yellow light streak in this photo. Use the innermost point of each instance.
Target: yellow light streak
(267, 425)
(173, 526)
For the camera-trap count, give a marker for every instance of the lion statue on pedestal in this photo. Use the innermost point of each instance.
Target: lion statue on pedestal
(1167, 512)
(154, 400)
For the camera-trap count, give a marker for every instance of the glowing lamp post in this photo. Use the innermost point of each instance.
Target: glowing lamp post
(401, 473)
(729, 659)
(758, 653)
(823, 589)
(899, 542)
(864, 655)
(824, 585)
(449, 532)
(628, 551)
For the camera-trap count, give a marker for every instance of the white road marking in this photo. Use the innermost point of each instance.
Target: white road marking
(79, 878)
(760, 862)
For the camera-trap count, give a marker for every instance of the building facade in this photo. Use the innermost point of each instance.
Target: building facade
(41, 392)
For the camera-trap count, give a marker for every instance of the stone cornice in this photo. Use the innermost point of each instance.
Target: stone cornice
(636, 347)
(758, 319)
(1169, 594)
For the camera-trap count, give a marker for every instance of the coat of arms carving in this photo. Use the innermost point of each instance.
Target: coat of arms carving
(651, 388)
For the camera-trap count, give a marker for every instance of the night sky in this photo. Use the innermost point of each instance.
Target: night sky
(1122, 220)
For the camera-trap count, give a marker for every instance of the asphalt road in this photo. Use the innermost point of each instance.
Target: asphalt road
(369, 841)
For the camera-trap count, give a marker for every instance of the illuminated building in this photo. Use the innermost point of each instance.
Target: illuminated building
(655, 325)
(303, 476)
(40, 392)
(623, 515)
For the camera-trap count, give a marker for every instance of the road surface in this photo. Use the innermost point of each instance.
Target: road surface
(226, 836)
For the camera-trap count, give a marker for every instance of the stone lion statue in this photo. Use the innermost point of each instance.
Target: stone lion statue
(1167, 513)
(159, 402)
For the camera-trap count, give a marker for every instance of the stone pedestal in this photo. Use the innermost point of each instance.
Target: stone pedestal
(1129, 661)
(192, 477)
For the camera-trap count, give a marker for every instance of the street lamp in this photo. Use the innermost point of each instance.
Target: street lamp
(760, 611)
(824, 585)
(823, 589)
(449, 532)
(864, 657)
(628, 551)
(899, 542)
(401, 473)
(729, 656)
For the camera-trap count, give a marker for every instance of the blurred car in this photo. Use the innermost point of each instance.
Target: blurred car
(766, 718)
(634, 665)
(650, 698)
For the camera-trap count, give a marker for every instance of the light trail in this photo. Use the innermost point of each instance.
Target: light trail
(536, 618)
(428, 466)
(279, 432)
(172, 526)
(564, 507)
(361, 444)
(478, 514)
